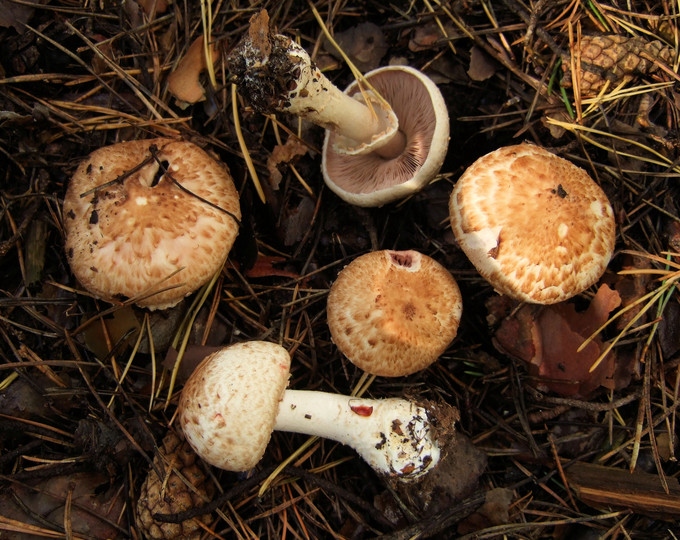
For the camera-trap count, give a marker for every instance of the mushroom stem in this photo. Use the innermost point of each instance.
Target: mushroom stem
(276, 74)
(394, 436)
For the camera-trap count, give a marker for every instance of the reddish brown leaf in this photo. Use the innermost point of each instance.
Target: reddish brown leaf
(547, 338)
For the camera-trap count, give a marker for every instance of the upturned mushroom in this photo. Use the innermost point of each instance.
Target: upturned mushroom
(535, 225)
(151, 219)
(379, 147)
(392, 313)
(237, 396)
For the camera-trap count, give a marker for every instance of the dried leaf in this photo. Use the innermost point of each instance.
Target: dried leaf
(15, 15)
(364, 44)
(94, 508)
(259, 33)
(183, 82)
(153, 6)
(482, 66)
(494, 511)
(283, 154)
(297, 220)
(547, 338)
(425, 37)
(265, 267)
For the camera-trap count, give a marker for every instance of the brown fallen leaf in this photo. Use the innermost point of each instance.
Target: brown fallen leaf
(95, 508)
(482, 66)
(184, 82)
(265, 267)
(283, 154)
(15, 15)
(153, 6)
(364, 44)
(547, 338)
(494, 511)
(429, 36)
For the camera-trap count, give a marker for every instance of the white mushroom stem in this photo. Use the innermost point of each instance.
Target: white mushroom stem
(276, 74)
(394, 436)
(321, 102)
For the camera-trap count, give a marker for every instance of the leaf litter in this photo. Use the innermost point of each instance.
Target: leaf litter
(86, 406)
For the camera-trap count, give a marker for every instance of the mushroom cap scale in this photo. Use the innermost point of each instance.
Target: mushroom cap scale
(128, 237)
(368, 179)
(393, 313)
(228, 407)
(535, 225)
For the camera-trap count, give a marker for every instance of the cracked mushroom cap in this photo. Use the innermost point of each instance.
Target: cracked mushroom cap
(228, 406)
(142, 234)
(392, 313)
(371, 180)
(536, 226)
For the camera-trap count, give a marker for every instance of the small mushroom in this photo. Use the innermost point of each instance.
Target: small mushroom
(237, 396)
(393, 313)
(377, 148)
(416, 153)
(152, 219)
(536, 226)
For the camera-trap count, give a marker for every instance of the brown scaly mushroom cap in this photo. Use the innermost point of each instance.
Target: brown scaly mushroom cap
(393, 313)
(536, 226)
(126, 237)
(376, 178)
(229, 405)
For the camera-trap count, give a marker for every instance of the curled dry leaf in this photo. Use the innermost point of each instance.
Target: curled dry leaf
(15, 15)
(429, 36)
(494, 511)
(547, 338)
(153, 6)
(93, 506)
(482, 66)
(265, 266)
(283, 154)
(183, 82)
(364, 44)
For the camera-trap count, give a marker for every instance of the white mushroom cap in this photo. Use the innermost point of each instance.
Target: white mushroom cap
(126, 238)
(393, 313)
(369, 179)
(229, 405)
(536, 226)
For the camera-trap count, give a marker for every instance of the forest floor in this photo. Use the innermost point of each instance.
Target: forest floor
(85, 403)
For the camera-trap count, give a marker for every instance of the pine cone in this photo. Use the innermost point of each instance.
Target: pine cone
(170, 495)
(614, 58)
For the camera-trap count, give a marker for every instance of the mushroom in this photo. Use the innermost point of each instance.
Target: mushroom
(379, 147)
(152, 219)
(393, 313)
(237, 396)
(536, 226)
